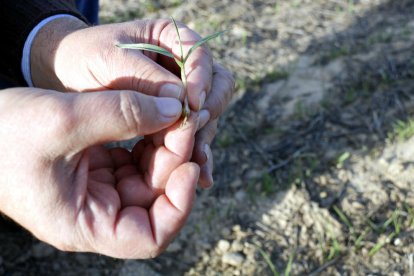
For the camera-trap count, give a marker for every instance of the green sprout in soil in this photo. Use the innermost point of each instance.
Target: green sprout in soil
(180, 61)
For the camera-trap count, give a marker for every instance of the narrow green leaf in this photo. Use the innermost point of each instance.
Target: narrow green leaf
(179, 38)
(380, 244)
(288, 269)
(343, 218)
(267, 259)
(147, 47)
(201, 42)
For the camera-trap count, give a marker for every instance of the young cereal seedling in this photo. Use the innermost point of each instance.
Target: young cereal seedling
(180, 61)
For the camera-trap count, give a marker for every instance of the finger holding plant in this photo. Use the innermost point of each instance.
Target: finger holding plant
(181, 61)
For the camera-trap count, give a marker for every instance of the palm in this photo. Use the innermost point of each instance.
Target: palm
(135, 202)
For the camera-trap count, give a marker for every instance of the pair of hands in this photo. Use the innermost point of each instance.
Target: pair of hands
(69, 191)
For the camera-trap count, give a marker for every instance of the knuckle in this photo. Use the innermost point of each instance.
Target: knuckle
(131, 110)
(63, 120)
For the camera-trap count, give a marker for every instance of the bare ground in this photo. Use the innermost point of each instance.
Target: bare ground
(314, 158)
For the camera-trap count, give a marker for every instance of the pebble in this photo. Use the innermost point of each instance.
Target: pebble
(223, 246)
(233, 259)
(266, 219)
(136, 268)
(236, 183)
(42, 250)
(240, 195)
(82, 259)
(237, 246)
(254, 174)
(174, 247)
(225, 232)
(397, 242)
(323, 194)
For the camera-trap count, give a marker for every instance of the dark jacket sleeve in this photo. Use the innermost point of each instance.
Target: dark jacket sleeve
(17, 20)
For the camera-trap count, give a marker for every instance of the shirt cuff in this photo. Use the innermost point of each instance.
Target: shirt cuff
(25, 65)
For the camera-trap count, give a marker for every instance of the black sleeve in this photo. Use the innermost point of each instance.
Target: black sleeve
(17, 20)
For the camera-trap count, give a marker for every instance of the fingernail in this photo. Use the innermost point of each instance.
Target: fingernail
(203, 96)
(168, 108)
(207, 151)
(204, 117)
(210, 177)
(171, 90)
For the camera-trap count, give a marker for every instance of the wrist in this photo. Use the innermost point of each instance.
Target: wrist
(44, 48)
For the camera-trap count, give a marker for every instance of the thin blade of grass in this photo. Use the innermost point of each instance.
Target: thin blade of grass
(179, 38)
(379, 245)
(268, 261)
(288, 269)
(201, 42)
(344, 219)
(147, 47)
(396, 221)
(361, 237)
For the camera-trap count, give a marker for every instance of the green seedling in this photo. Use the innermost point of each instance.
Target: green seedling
(268, 261)
(181, 61)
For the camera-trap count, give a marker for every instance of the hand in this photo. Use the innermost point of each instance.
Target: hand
(60, 184)
(67, 56)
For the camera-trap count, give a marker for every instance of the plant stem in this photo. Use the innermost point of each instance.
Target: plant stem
(186, 108)
(181, 63)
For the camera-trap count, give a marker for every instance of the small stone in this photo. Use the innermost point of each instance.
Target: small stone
(82, 259)
(240, 195)
(397, 242)
(42, 250)
(136, 268)
(204, 245)
(323, 180)
(236, 273)
(174, 247)
(223, 246)
(233, 259)
(254, 174)
(266, 219)
(323, 194)
(236, 228)
(236, 183)
(225, 232)
(357, 205)
(237, 246)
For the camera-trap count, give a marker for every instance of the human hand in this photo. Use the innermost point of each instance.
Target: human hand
(67, 56)
(60, 184)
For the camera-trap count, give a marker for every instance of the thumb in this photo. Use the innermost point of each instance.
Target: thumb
(97, 118)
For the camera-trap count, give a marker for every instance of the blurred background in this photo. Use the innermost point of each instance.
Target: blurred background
(314, 158)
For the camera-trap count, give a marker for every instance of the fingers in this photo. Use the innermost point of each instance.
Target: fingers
(138, 233)
(156, 163)
(177, 148)
(170, 211)
(221, 92)
(97, 118)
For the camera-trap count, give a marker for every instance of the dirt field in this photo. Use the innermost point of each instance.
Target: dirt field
(314, 158)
